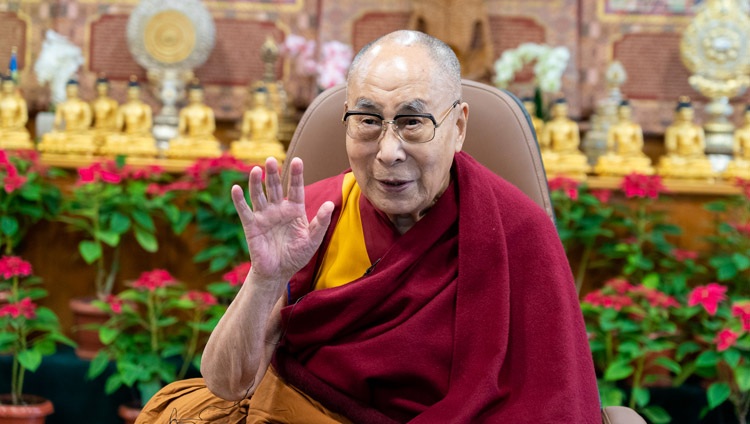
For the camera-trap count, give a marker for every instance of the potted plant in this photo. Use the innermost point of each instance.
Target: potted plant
(109, 201)
(26, 197)
(28, 332)
(155, 332)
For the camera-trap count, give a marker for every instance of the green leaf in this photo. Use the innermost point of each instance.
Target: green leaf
(97, 365)
(707, 359)
(113, 383)
(618, 370)
(741, 261)
(144, 220)
(669, 364)
(146, 240)
(656, 414)
(9, 225)
(742, 376)
(717, 393)
(651, 280)
(642, 396)
(30, 359)
(108, 335)
(119, 223)
(732, 356)
(90, 251)
(110, 238)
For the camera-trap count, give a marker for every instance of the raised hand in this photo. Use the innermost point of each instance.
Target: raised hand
(279, 237)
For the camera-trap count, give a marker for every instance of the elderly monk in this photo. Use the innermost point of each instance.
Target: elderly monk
(418, 287)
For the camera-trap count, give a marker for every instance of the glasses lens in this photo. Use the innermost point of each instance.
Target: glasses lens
(415, 129)
(364, 127)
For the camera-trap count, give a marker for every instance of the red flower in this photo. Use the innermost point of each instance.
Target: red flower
(602, 195)
(237, 275)
(620, 285)
(115, 303)
(743, 229)
(613, 301)
(202, 298)
(152, 280)
(744, 186)
(25, 308)
(96, 172)
(568, 186)
(708, 296)
(655, 298)
(4, 158)
(682, 255)
(12, 180)
(725, 339)
(741, 309)
(639, 185)
(13, 266)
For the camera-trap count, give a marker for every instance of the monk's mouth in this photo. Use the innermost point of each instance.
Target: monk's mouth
(393, 185)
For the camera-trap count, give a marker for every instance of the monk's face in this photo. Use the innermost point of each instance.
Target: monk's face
(399, 178)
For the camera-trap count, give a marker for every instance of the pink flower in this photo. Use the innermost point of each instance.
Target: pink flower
(13, 266)
(202, 298)
(639, 185)
(744, 186)
(106, 172)
(725, 339)
(110, 177)
(568, 186)
(741, 309)
(708, 296)
(4, 158)
(602, 195)
(237, 275)
(25, 308)
(656, 298)
(87, 174)
(115, 303)
(152, 280)
(682, 255)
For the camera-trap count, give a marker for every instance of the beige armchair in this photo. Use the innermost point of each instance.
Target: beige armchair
(499, 135)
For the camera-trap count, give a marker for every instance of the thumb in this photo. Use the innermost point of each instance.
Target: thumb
(320, 223)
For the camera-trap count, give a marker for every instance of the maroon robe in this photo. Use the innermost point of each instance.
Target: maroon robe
(471, 316)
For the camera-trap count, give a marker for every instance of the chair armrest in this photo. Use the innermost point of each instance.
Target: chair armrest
(620, 415)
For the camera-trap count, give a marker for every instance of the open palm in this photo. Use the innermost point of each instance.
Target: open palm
(279, 237)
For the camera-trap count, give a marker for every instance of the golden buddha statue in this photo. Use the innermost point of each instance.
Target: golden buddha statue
(536, 122)
(71, 132)
(739, 166)
(562, 138)
(685, 143)
(134, 118)
(104, 111)
(196, 129)
(624, 147)
(260, 127)
(13, 117)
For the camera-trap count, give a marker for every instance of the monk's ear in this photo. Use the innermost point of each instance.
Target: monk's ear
(461, 123)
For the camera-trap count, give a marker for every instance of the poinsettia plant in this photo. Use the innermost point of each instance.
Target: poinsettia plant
(156, 330)
(111, 200)
(28, 331)
(717, 346)
(208, 183)
(630, 328)
(27, 196)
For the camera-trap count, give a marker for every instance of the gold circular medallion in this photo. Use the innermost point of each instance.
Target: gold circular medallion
(169, 36)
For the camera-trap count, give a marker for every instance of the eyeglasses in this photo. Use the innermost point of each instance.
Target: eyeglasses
(411, 128)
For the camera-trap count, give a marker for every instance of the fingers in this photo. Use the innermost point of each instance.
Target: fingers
(319, 224)
(296, 191)
(274, 191)
(257, 196)
(240, 204)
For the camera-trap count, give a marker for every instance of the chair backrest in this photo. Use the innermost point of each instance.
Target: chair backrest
(499, 135)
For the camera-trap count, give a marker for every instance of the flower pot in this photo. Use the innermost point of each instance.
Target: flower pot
(35, 410)
(85, 314)
(128, 413)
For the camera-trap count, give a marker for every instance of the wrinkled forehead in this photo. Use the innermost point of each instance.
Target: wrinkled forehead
(397, 77)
